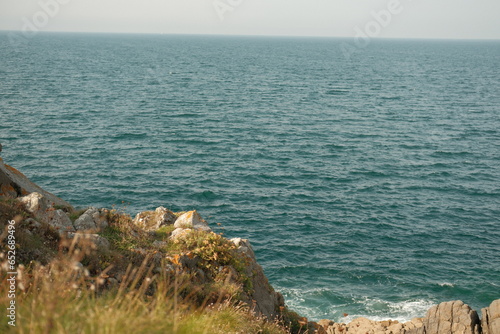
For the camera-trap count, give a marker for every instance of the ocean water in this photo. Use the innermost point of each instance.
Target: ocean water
(368, 186)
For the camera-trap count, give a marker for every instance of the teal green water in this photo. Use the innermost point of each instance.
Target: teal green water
(368, 186)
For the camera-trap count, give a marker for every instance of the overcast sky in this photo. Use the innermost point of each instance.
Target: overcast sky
(467, 19)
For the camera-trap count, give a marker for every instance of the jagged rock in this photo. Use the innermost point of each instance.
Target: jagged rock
(15, 184)
(43, 210)
(414, 326)
(192, 220)
(264, 299)
(491, 318)
(91, 220)
(446, 318)
(451, 317)
(86, 221)
(153, 220)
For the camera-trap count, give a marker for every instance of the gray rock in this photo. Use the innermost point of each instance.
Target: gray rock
(91, 220)
(86, 221)
(153, 220)
(60, 220)
(491, 318)
(43, 210)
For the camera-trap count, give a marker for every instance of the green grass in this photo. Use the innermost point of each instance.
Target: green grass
(164, 232)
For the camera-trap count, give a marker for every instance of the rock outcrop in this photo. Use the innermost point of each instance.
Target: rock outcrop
(490, 322)
(453, 317)
(153, 220)
(189, 221)
(15, 184)
(43, 209)
(264, 299)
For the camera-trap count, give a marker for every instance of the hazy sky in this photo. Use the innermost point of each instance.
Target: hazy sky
(396, 18)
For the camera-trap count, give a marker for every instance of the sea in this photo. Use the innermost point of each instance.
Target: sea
(365, 175)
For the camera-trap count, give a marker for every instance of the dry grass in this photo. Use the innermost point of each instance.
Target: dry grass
(62, 297)
(134, 287)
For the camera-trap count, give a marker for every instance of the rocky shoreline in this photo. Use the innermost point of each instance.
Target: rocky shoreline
(447, 317)
(244, 273)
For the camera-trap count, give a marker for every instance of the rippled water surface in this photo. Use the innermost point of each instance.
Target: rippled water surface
(368, 186)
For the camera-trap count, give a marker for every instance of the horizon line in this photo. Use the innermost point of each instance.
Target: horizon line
(255, 35)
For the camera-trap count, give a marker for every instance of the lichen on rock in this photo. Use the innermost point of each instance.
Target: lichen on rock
(153, 220)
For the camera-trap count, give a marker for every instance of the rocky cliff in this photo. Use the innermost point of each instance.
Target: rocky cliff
(182, 244)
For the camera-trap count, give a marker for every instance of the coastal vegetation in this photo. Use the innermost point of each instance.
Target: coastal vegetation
(142, 282)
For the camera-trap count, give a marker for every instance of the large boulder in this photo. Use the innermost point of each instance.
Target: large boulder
(491, 318)
(452, 317)
(264, 300)
(15, 184)
(153, 220)
(43, 210)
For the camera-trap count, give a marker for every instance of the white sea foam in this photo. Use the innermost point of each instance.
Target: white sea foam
(306, 302)
(446, 284)
(378, 310)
